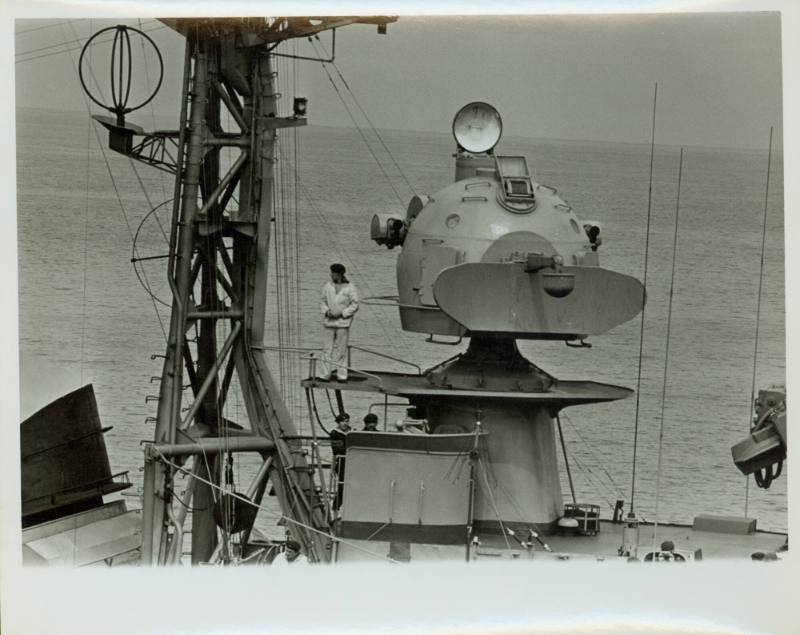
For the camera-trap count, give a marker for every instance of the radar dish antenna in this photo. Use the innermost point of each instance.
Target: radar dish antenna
(477, 127)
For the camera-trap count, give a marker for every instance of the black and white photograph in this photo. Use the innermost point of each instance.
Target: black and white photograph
(474, 306)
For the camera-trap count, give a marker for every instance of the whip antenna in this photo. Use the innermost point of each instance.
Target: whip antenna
(666, 350)
(644, 285)
(758, 310)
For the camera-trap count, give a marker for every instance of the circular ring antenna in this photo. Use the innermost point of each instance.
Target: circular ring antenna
(121, 70)
(477, 127)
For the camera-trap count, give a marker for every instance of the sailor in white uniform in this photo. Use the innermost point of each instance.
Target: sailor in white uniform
(291, 555)
(339, 304)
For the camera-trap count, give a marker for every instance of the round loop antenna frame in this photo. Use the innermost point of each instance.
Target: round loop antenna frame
(141, 276)
(120, 45)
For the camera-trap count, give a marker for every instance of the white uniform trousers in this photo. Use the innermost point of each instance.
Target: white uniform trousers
(334, 352)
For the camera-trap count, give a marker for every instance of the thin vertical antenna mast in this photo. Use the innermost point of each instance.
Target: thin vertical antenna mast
(644, 304)
(666, 351)
(758, 312)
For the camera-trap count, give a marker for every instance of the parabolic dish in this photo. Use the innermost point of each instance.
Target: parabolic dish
(477, 127)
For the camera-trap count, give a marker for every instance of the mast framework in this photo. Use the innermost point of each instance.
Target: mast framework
(217, 270)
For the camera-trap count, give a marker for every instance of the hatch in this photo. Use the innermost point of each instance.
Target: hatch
(517, 189)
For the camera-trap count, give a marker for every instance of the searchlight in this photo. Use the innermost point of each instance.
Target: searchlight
(477, 127)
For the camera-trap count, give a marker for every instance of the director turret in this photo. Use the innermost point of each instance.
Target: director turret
(496, 252)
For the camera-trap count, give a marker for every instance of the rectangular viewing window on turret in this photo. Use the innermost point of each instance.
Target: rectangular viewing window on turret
(517, 187)
(514, 175)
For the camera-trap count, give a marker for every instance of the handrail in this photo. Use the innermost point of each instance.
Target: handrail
(381, 300)
(469, 186)
(394, 359)
(293, 349)
(443, 363)
(393, 300)
(313, 364)
(95, 485)
(396, 404)
(91, 433)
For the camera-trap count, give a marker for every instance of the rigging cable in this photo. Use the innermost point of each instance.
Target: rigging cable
(334, 414)
(288, 283)
(329, 231)
(49, 26)
(278, 247)
(67, 50)
(145, 283)
(294, 231)
(499, 484)
(758, 313)
(594, 480)
(644, 299)
(666, 350)
(290, 260)
(152, 106)
(277, 218)
(117, 193)
(130, 160)
(316, 412)
(494, 503)
(271, 513)
(369, 121)
(360, 131)
(330, 234)
(617, 489)
(281, 273)
(296, 199)
(147, 198)
(282, 245)
(566, 459)
(86, 237)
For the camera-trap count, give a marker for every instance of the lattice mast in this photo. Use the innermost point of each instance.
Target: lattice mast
(218, 263)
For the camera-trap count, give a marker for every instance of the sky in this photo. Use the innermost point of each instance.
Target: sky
(566, 77)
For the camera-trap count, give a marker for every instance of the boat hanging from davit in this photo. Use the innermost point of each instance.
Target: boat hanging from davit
(494, 257)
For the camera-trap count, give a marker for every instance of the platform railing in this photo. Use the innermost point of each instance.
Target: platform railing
(312, 368)
(353, 347)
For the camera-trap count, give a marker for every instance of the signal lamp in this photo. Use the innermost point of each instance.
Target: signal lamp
(477, 127)
(300, 106)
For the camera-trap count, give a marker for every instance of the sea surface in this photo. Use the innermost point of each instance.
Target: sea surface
(84, 315)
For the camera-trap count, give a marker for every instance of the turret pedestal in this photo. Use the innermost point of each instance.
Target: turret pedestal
(516, 472)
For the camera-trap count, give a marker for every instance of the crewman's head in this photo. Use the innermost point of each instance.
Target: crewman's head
(370, 421)
(343, 421)
(337, 272)
(292, 550)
